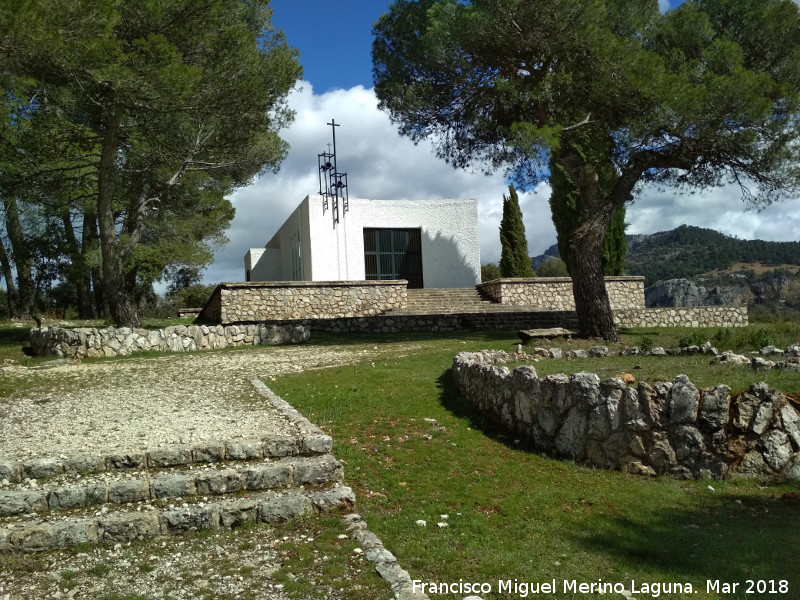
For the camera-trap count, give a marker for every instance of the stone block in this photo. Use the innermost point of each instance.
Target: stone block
(688, 443)
(268, 475)
(209, 453)
(684, 400)
(243, 449)
(193, 517)
(317, 444)
(16, 502)
(173, 485)
(129, 490)
(86, 463)
(64, 534)
(660, 453)
(599, 426)
(279, 446)
(235, 513)
(74, 496)
(714, 407)
(129, 527)
(41, 468)
(219, 482)
(334, 499)
(791, 424)
(571, 438)
(777, 449)
(317, 470)
(585, 389)
(126, 461)
(10, 471)
(178, 454)
(283, 507)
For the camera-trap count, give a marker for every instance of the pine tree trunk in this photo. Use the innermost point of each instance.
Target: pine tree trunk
(595, 319)
(11, 289)
(23, 262)
(585, 232)
(120, 302)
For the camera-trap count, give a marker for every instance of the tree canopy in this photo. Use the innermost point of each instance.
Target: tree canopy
(144, 115)
(611, 93)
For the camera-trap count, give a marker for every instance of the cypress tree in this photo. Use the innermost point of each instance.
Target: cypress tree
(514, 259)
(567, 209)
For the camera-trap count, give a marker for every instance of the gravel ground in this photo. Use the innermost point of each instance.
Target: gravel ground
(102, 406)
(77, 408)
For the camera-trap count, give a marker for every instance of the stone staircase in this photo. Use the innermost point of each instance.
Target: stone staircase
(449, 301)
(61, 501)
(444, 301)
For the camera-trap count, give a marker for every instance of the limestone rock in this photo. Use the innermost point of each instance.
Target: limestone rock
(683, 401)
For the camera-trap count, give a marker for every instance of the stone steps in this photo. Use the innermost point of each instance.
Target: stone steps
(139, 521)
(443, 301)
(60, 501)
(447, 301)
(77, 491)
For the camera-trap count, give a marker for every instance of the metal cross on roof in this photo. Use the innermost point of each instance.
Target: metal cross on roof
(332, 183)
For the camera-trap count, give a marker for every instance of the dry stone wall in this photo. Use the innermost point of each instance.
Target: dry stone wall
(671, 427)
(90, 342)
(555, 293)
(694, 316)
(271, 301)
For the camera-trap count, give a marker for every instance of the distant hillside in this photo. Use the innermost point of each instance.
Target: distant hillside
(689, 251)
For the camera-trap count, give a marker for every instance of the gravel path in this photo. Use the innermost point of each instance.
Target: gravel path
(101, 406)
(74, 408)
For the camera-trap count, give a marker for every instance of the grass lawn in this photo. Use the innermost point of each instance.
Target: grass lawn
(515, 515)
(415, 450)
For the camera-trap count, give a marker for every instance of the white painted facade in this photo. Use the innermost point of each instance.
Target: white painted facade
(308, 247)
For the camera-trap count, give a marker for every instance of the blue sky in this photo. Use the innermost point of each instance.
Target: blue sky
(335, 39)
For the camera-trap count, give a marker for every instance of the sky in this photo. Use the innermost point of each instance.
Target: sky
(334, 39)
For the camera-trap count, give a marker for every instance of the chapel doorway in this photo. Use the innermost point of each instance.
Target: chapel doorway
(393, 254)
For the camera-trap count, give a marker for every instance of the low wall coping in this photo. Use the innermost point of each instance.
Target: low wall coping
(311, 284)
(557, 279)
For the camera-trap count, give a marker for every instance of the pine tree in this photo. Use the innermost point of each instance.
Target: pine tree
(514, 259)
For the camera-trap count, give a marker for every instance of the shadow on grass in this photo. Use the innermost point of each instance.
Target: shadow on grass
(451, 399)
(731, 538)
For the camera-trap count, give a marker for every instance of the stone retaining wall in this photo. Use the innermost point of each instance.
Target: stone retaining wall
(279, 300)
(687, 316)
(90, 342)
(555, 293)
(647, 430)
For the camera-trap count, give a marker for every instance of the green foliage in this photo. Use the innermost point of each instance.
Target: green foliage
(489, 272)
(554, 267)
(193, 296)
(704, 95)
(646, 343)
(615, 247)
(691, 338)
(514, 258)
(135, 121)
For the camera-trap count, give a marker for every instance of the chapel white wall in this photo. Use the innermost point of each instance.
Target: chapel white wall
(450, 244)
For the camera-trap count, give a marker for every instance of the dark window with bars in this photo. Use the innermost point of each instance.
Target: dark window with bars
(393, 254)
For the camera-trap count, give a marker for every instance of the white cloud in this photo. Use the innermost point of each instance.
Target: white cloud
(379, 164)
(663, 5)
(382, 165)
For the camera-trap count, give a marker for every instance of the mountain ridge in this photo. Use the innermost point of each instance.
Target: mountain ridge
(689, 251)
